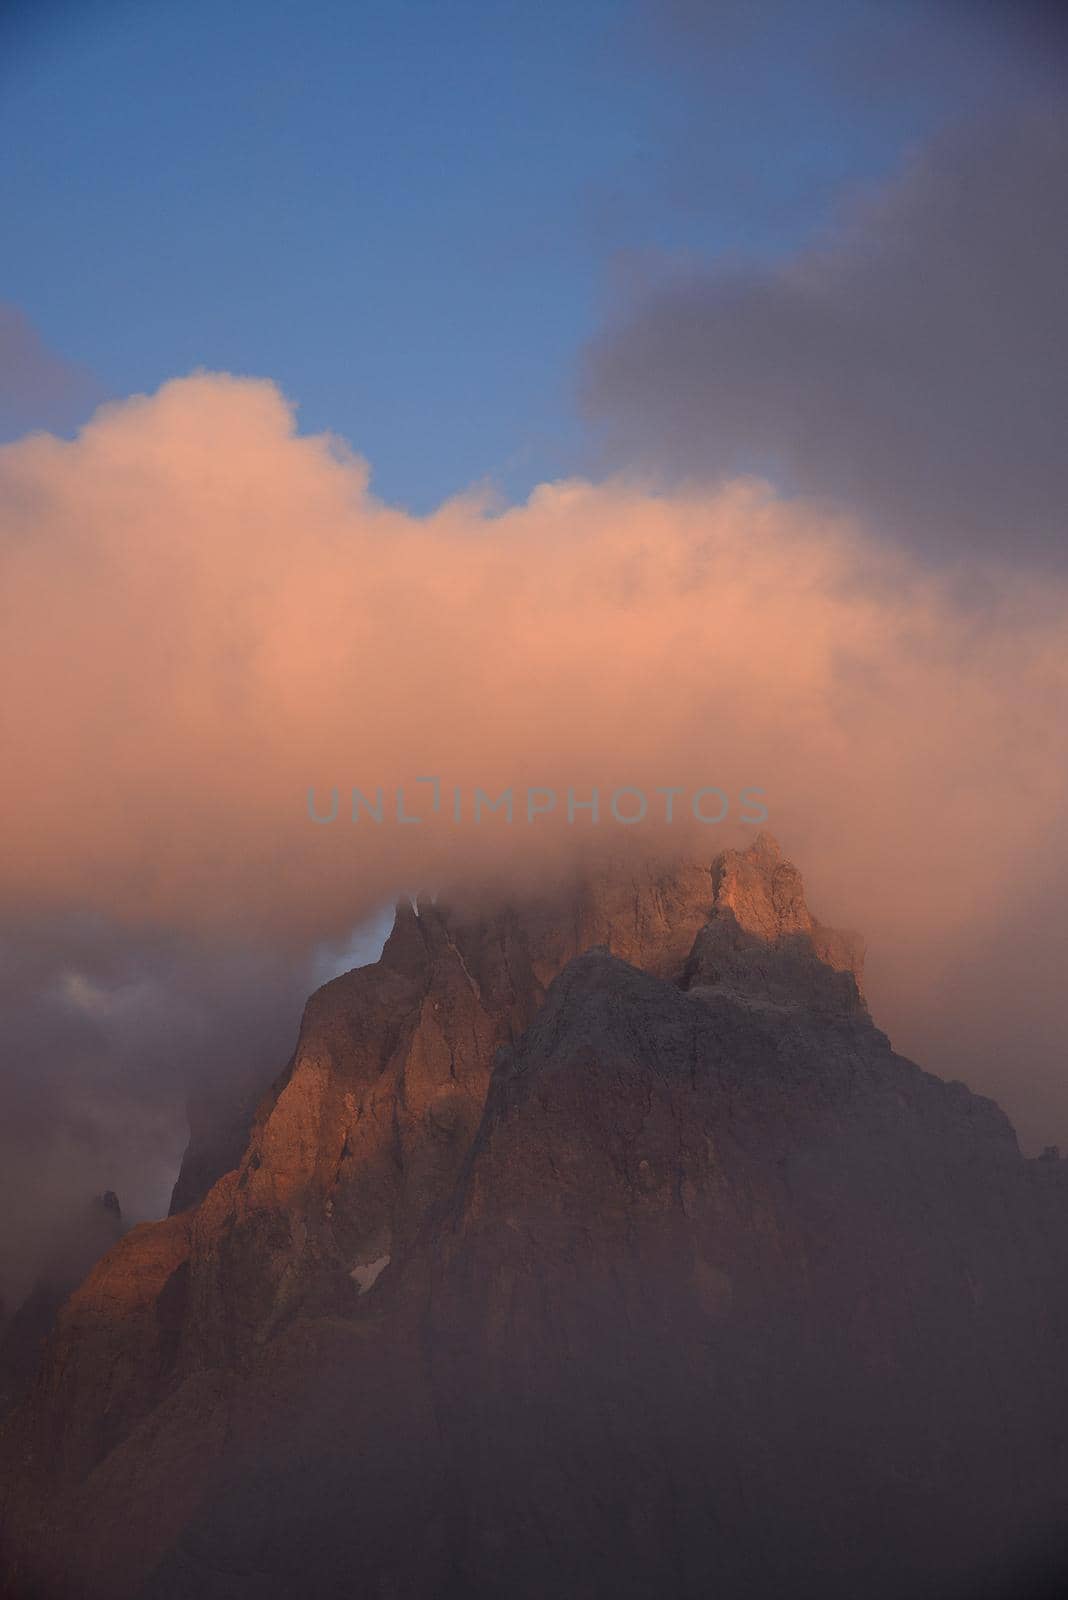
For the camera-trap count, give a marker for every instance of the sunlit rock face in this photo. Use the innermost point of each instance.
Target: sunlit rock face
(595, 1245)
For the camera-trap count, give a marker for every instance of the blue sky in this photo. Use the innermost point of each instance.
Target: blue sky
(410, 214)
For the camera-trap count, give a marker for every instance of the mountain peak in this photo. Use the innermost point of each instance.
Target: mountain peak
(765, 895)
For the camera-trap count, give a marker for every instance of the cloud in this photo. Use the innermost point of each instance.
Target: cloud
(107, 1032)
(912, 366)
(206, 613)
(38, 389)
(965, 49)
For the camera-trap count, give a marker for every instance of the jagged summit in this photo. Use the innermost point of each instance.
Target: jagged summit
(647, 911)
(766, 895)
(483, 953)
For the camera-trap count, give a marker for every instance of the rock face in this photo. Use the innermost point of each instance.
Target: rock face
(601, 1246)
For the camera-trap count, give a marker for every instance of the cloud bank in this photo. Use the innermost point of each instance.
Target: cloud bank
(877, 316)
(205, 613)
(912, 363)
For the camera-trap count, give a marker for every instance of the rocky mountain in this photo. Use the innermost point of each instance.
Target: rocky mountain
(595, 1246)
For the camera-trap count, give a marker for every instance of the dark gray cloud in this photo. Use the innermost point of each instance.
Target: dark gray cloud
(38, 388)
(910, 364)
(107, 1036)
(962, 49)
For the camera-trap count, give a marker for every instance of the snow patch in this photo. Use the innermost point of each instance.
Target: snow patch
(365, 1273)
